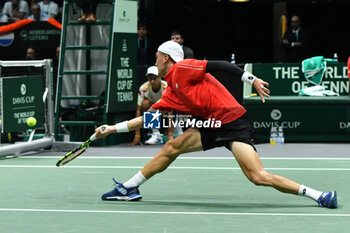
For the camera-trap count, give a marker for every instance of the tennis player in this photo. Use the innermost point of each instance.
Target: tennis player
(193, 90)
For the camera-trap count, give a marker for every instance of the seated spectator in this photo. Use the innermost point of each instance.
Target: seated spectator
(48, 7)
(178, 38)
(149, 93)
(89, 10)
(58, 50)
(31, 54)
(37, 15)
(3, 17)
(16, 10)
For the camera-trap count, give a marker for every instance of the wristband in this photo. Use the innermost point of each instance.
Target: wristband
(122, 127)
(248, 77)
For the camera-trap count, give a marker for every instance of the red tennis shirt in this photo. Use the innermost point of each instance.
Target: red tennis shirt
(192, 91)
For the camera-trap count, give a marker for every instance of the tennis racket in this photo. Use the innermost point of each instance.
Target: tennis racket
(77, 151)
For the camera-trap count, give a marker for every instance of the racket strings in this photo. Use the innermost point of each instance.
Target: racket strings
(73, 155)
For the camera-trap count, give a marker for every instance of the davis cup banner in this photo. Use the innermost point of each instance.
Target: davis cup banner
(21, 97)
(288, 78)
(122, 93)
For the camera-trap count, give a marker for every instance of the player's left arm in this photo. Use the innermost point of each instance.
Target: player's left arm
(232, 69)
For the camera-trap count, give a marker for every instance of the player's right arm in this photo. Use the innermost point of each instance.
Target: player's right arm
(122, 127)
(162, 105)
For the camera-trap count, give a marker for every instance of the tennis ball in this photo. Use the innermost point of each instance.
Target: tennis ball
(31, 121)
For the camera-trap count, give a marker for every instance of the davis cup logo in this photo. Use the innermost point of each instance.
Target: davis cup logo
(276, 114)
(7, 39)
(23, 89)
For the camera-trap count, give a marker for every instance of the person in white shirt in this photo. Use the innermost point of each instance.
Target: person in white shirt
(49, 8)
(16, 10)
(3, 17)
(149, 93)
(37, 15)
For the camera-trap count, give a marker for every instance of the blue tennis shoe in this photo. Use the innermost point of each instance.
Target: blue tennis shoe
(328, 200)
(120, 193)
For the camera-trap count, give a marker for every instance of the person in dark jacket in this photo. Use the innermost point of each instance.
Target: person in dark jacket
(295, 41)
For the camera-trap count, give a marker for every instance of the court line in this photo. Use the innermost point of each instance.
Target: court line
(194, 158)
(171, 212)
(171, 167)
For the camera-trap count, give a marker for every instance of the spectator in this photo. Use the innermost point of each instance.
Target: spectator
(16, 10)
(3, 17)
(146, 48)
(177, 36)
(58, 50)
(149, 93)
(37, 15)
(295, 41)
(31, 54)
(48, 7)
(89, 10)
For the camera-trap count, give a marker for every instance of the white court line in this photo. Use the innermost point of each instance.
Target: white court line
(179, 158)
(171, 212)
(180, 168)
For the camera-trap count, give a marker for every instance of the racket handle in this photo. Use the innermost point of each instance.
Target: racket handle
(93, 137)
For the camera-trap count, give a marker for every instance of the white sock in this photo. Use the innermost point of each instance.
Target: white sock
(309, 192)
(135, 181)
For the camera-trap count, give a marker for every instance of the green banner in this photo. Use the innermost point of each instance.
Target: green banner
(122, 94)
(21, 97)
(288, 78)
(302, 118)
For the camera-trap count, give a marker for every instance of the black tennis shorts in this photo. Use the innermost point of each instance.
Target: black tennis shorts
(239, 130)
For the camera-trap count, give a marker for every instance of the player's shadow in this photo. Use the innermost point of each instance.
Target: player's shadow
(222, 202)
(224, 206)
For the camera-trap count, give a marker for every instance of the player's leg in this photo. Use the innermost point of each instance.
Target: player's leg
(189, 141)
(252, 168)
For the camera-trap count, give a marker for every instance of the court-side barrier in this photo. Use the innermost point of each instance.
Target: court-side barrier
(26, 96)
(16, 149)
(324, 119)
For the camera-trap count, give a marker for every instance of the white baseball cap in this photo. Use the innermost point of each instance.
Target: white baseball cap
(173, 49)
(152, 70)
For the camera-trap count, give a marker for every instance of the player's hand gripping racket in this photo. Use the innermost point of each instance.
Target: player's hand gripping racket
(77, 151)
